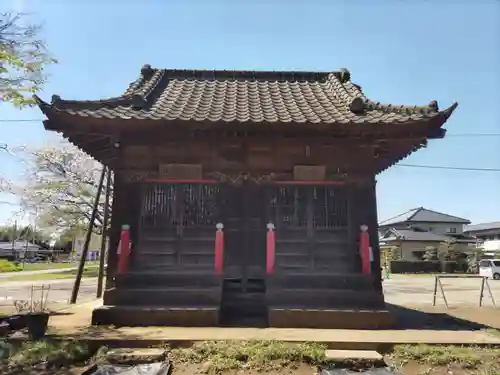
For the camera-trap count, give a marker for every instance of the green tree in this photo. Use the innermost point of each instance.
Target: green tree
(474, 259)
(60, 187)
(431, 253)
(23, 58)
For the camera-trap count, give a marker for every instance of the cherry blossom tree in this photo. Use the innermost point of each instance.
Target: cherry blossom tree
(23, 58)
(60, 187)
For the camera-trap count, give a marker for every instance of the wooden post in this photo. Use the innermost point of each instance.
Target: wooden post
(489, 291)
(219, 249)
(124, 248)
(482, 292)
(79, 273)
(102, 257)
(435, 291)
(364, 250)
(271, 249)
(442, 291)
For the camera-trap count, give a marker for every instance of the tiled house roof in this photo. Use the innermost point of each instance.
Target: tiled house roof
(482, 227)
(246, 96)
(423, 215)
(411, 235)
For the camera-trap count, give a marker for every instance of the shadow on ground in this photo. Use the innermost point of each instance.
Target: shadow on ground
(408, 318)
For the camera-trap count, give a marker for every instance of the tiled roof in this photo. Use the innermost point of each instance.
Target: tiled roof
(411, 235)
(245, 96)
(423, 215)
(483, 226)
(17, 245)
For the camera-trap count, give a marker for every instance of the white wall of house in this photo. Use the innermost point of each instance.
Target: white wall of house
(491, 245)
(438, 228)
(442, 228)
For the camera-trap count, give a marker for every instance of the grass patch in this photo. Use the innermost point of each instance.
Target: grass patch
(220, 356)
(49, 266)
(91, 271)
(482, 360)
(8, 266)
(54, 353)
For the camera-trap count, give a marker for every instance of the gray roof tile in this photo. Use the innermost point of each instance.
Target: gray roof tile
(411, 235)
(245, 96)
(423, 215)
(482, 226)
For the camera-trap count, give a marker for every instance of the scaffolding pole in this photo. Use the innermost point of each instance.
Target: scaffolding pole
(79, 273)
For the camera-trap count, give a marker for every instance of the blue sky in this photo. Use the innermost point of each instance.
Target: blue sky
(407, 52)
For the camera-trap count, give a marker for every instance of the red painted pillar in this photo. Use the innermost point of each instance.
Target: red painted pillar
(219, 249)
(270, 248)
(364, 250)
(124, 249)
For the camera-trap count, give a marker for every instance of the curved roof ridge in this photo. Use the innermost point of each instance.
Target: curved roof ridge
(426, 110)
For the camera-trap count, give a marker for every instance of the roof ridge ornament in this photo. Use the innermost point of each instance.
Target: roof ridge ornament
(357, 106)
(55, 99)
(345, 75)
(433, 106)
(147, 71)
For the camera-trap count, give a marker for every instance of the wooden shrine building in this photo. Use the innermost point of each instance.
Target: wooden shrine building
(247, 194)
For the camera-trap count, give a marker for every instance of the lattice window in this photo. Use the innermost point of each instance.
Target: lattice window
(329, 207)
(159, 205)
(289, 206)
(200, 203)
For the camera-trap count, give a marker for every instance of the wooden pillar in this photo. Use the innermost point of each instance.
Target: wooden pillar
(117, 216)
(353, 224)
(363, 211)
(372, 222)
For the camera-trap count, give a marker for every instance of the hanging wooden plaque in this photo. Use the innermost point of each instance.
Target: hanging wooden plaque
(309, 172)
(181, 171)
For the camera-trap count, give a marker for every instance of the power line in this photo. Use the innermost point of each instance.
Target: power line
(449, 168)
(473, 135)
(23, 120)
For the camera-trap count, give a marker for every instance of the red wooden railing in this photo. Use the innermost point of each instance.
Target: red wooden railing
(124, 249)
(364, 250)
(219, 249)
(270, 248)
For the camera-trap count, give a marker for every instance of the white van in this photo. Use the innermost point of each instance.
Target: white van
(490, 268)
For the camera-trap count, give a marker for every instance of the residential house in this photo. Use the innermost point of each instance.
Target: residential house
(18, 249)
(417, 229)
(487, 235)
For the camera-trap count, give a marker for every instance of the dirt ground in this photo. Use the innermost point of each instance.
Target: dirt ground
(75, 370)
(410, 368)
(409, 293)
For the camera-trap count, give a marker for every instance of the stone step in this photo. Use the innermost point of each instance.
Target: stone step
(144, 316)
(144, 355)
(339, 355)
(245, 303)
(165, 296)
(323, 298)
(321, 280)
(169, 279)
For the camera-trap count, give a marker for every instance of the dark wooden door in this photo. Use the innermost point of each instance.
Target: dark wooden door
(177, 227)
(243, 214)
(312, 229)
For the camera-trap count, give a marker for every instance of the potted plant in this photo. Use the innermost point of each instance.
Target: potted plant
(38, 317)
(18, 321)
